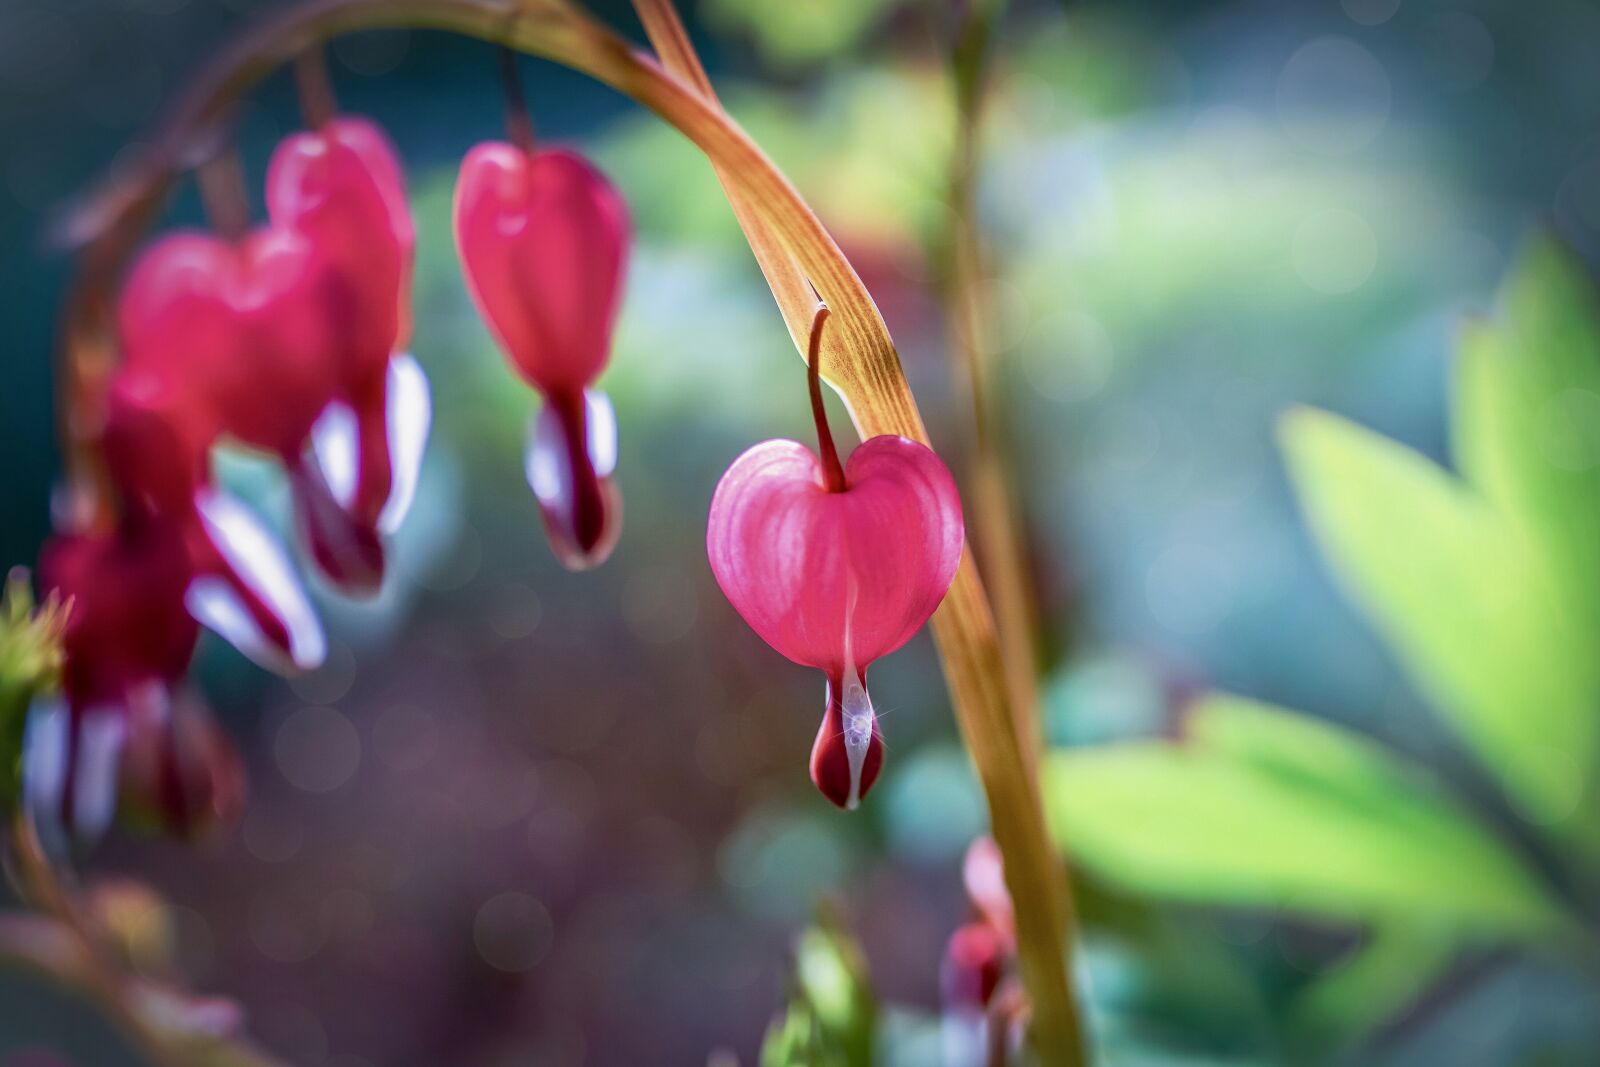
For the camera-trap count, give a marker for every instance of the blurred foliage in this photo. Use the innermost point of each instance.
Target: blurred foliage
(797, 34)
(1263, 807)
(1487, 590)
(30, 665)
(832, 1013)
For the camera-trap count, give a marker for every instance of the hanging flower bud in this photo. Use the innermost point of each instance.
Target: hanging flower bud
(543, 238)
(126, 640)
(342, 187)
(179, 770)
(835, 566)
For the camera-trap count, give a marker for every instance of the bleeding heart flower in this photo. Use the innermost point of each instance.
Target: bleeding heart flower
(342, 186)
(246, 328)
(837, 566)
(126, 640)
(543, 238)
(982, 1005)
(241, 583)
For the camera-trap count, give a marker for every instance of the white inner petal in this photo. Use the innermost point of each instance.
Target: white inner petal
(410, 415)
(600, 431)
(545, 460)
(45, 760)
(258, 560)
(334, 441)
(858, 718)
(94, 796)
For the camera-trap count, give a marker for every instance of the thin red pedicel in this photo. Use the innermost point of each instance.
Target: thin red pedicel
(835, 578)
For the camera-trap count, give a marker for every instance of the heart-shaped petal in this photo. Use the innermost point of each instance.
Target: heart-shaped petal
(342, 186)
(249, 327)
(836, 580)
(543, 238)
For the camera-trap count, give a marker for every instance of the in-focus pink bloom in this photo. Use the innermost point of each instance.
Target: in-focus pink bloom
(836, 568)
(543, 238)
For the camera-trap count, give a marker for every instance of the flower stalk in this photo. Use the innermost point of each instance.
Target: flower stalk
(801, 262)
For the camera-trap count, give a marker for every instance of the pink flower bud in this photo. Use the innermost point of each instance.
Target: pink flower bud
(179, 770)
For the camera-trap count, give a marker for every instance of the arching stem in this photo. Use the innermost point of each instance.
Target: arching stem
(519, 121)
(311, 82)
(832, 469)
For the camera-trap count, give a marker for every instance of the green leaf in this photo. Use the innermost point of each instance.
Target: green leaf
(1265, 808)
(30, 665)
(1464, 600)
(1384, 979)
(832, 1014)
(1527, 418)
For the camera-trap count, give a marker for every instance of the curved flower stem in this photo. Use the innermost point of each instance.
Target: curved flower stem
(801, 263)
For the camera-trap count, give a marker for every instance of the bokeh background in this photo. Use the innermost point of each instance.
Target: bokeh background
(529, 817)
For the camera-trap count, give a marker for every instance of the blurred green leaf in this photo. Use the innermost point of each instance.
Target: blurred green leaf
(1263, 807)
(1383, 979)
(1528, 416)
(1463, 599)
(30, 664)
(832, 1013)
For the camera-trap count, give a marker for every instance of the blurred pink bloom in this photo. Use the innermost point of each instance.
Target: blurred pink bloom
(543, 238)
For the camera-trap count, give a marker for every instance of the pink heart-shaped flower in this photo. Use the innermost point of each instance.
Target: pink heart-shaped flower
(247, 327)
(341, 185)
(543, 238)
(835, 580)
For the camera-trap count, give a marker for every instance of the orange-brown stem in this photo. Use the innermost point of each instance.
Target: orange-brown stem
(519, 121)
(317, 102)
(221, 180)
(832, 469)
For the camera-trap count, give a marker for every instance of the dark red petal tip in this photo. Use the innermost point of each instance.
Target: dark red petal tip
(348, 552)
(572, 451)
(848, 752)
